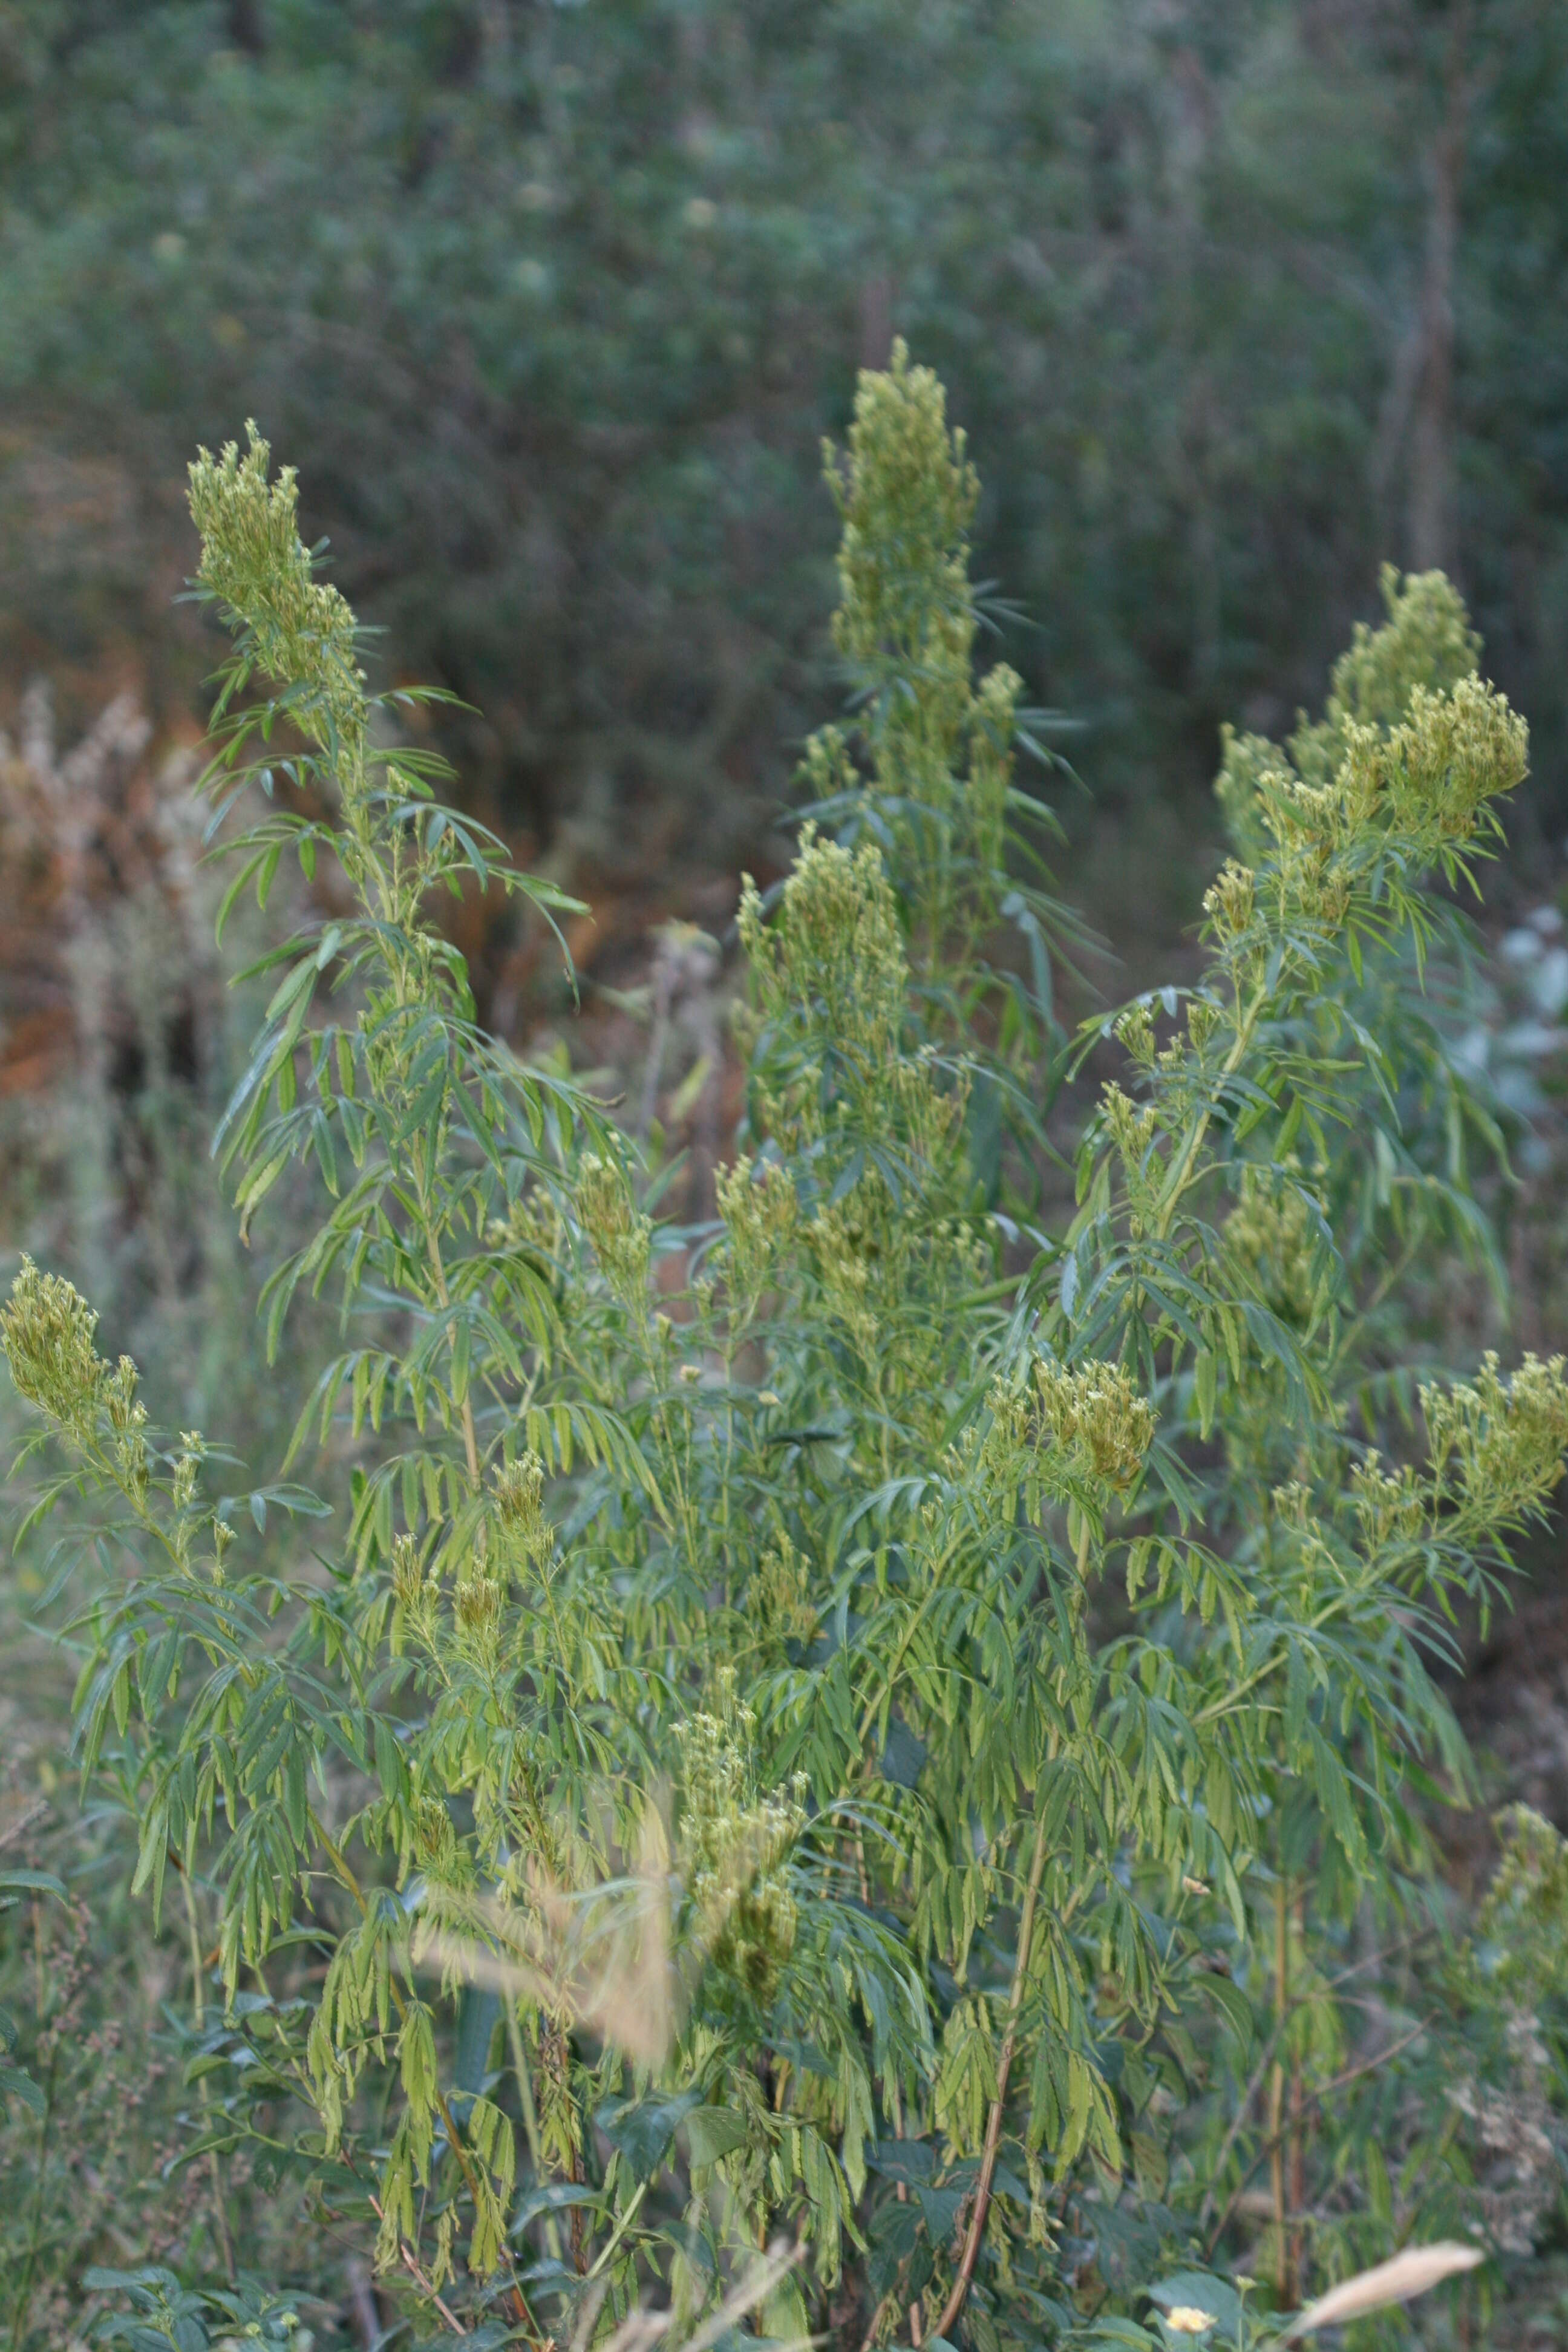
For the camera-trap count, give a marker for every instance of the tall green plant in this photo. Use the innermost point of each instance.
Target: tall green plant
(799, 1732)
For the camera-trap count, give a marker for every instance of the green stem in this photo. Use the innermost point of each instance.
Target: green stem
(1238, 1691)
(525, 2072)
(1277, 2174)
(1181, 1174)
(35, 2234)
(619, 2232)
(198, 2019)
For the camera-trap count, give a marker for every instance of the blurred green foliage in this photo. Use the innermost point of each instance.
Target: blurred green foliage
(559, 297)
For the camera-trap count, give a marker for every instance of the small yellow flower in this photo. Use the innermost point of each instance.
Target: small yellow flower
(1188, 2320)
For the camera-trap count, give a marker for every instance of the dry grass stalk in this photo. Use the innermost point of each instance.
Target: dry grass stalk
(1408, 2274)
(642, 2329)
(603, 1956)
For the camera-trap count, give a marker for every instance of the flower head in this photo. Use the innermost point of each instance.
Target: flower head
(620, 1234)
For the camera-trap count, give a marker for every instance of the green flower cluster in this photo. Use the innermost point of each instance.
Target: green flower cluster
(734, 1847)
(298, 630)
(621, 1236)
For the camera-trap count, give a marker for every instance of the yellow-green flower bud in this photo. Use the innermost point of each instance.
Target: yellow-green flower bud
(620, 1235)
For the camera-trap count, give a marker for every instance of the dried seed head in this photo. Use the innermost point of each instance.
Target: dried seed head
(1135, 1033)
(434, 1835)
(783, 1591)
(476, 1605)
(188, 1468)
(833, 952)
(735, 1843)
(1274, 1234)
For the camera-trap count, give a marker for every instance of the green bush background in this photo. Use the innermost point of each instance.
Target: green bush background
(559, 298)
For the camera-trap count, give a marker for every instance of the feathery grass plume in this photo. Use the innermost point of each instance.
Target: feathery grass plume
(600, 1955)
(1416, 2272)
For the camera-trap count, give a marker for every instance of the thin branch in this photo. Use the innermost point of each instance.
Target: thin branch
(20, 1823)
(1254, 2085)
(420, 2276)
(1314, 2098)
(198, 2009)
(976, 2231)
(1332, 1984)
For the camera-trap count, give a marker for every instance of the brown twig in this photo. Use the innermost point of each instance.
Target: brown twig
(976, 2231)
(870, 2336)
(20, 1823)
(1313, 2098)
(1278, 2134)
(1331, 1984)
(420, 2276)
